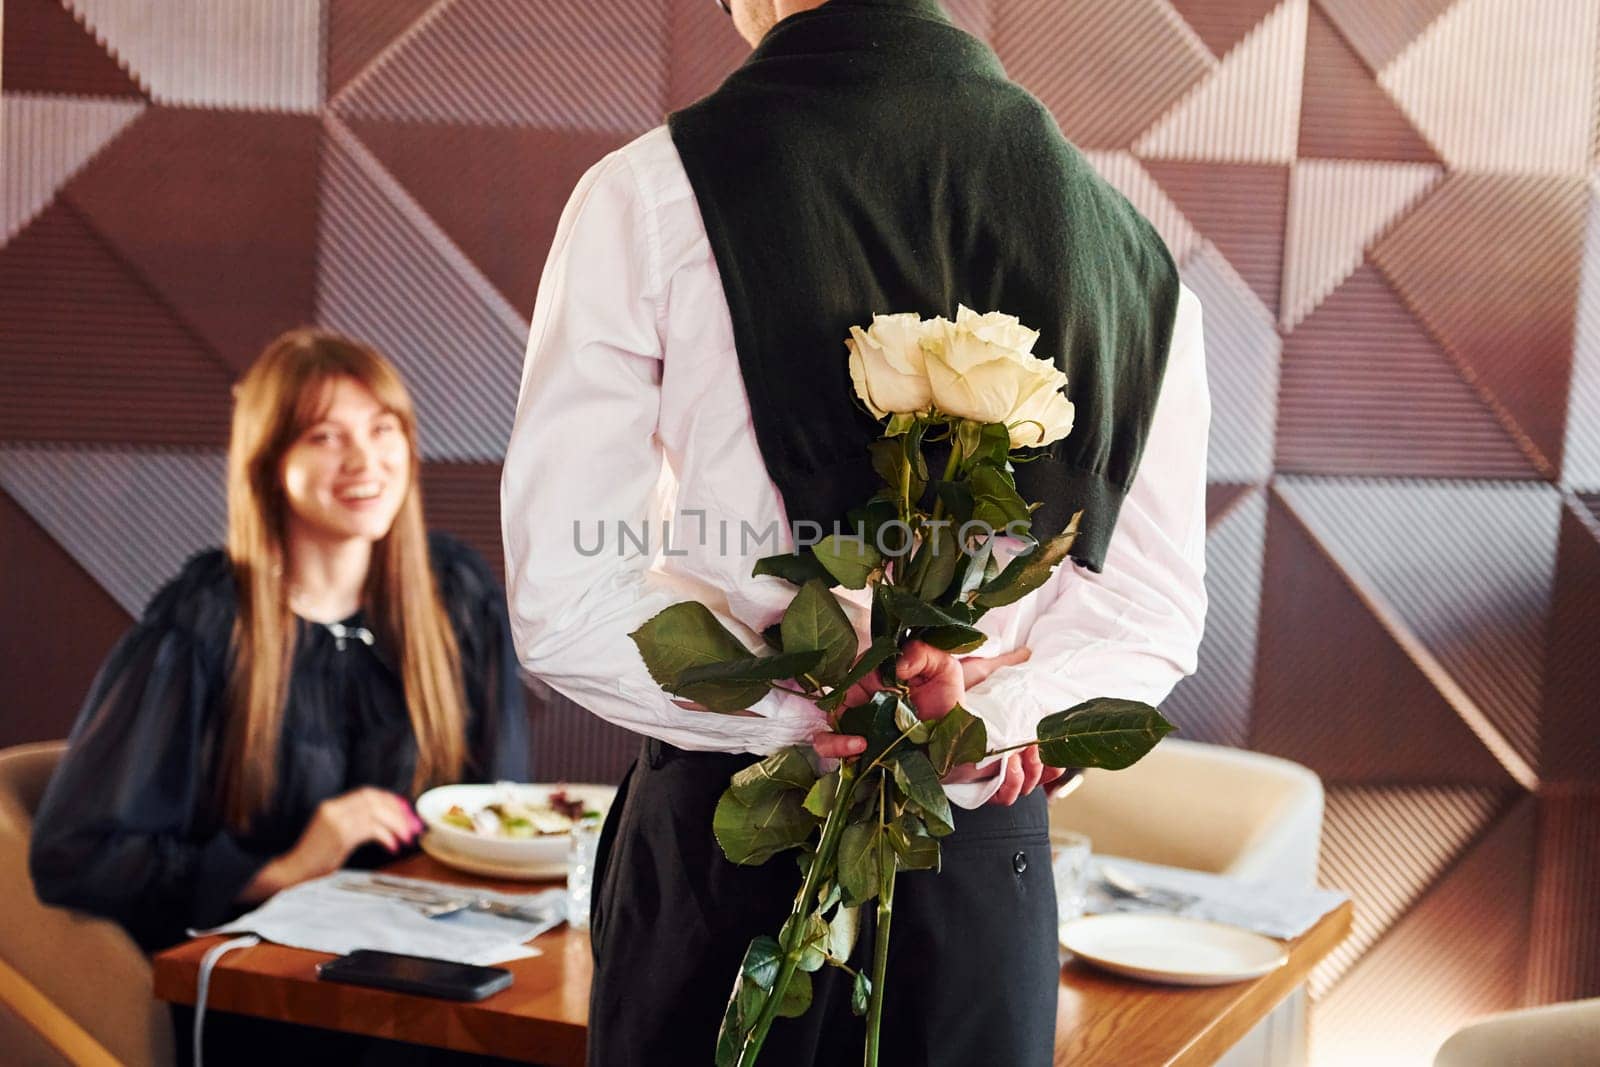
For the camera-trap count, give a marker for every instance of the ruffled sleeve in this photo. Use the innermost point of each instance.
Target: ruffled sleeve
(497, 727)
(127, 828)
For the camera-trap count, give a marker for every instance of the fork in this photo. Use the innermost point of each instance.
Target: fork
(437, 905)
(1126, 886)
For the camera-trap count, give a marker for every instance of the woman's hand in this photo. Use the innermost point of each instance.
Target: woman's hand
(340, 825)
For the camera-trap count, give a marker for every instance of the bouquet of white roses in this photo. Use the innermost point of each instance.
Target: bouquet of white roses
(933, 572)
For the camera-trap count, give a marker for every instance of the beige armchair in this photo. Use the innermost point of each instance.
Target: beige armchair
(1221, 810)
(73, 989)
(1556, 1035)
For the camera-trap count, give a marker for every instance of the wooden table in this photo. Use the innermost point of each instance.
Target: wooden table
(543, 1017)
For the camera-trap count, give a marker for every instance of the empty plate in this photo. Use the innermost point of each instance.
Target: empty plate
(1165, 948)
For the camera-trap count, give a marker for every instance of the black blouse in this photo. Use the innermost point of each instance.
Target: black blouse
(130, 826)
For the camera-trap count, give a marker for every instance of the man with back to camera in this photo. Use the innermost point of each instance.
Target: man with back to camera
(868, 157)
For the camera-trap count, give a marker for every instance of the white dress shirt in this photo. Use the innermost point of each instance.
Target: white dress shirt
(633, 410)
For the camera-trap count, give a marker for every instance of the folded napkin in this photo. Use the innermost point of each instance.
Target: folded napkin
(320, 916)
(1270, 908)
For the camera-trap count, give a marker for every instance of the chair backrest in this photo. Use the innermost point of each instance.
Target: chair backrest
(1203, 807)
(64, 973)
(1556, 1035)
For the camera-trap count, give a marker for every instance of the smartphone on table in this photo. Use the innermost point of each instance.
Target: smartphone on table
(415, 974)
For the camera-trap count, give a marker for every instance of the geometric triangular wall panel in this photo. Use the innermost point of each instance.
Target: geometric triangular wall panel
(130, 519)
(1416, 985)
(1248, 109)
(1503, 84)
(48, 50)
(1242, 353)
(49, 138)
(1506, 312)
(213, 181)
(501, 203)
(1341, 686)
(1336, 208)
(1580, 461)
(1105, 71)
(1466, 569)
(262, 56)
(389, 274)
(1385, 846)
(553, 64)
(1240, 209)
(1344, 112)
(1213, 704)
(1366, 389)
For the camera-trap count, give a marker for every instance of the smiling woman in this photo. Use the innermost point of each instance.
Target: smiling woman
(282, 701)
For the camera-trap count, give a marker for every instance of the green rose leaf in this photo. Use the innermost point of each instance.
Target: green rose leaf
(773, 636)
(860, 993)
(1105, 732)
(1029, 570)
(995, 499)
(796, 996)
(899, 423)
(974, 570)
(858, 863)
(935, 563)
(762, 960)
(814, 621)
(686, 636)
(939, 627)
(848, 559)
(717, 676)
(795, 567)
(915, 775)
(842, 930)
(814, 949)
(819, 799)
(744, 1007)
(960, 737)
(880, 649)
(873, 720)
(954, 639)
(988, 443)
(751, 834)
(778, 773)
(958, 501)
(916, 850)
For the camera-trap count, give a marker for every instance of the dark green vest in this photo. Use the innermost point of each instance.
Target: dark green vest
(871, 157)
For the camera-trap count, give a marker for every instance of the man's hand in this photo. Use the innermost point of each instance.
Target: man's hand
(938, 682)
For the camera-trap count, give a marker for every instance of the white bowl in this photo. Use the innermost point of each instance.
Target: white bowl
(542, 851)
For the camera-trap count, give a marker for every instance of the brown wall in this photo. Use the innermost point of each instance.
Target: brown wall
(1385, 207)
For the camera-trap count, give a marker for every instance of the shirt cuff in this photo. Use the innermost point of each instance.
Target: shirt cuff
(224, 869)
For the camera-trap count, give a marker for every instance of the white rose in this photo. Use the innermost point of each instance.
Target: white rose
(980, 369)
(1001, 329)
(1044, 415)
(886, 364)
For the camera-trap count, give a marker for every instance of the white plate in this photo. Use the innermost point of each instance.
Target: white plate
(535, 872)
(1165, 948)
(542, 852)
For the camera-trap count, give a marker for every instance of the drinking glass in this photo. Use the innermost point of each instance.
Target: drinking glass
(585, 840)
(1070, 868)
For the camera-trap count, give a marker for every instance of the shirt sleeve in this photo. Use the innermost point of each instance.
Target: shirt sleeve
(118, 832)
(1132, 631)
(583, 458)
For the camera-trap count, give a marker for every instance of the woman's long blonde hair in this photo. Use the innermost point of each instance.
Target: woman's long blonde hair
(284, 392)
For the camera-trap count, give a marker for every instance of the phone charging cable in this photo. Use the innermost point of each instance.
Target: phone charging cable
(208, 963)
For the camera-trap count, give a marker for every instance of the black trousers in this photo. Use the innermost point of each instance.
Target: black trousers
(973, 968)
